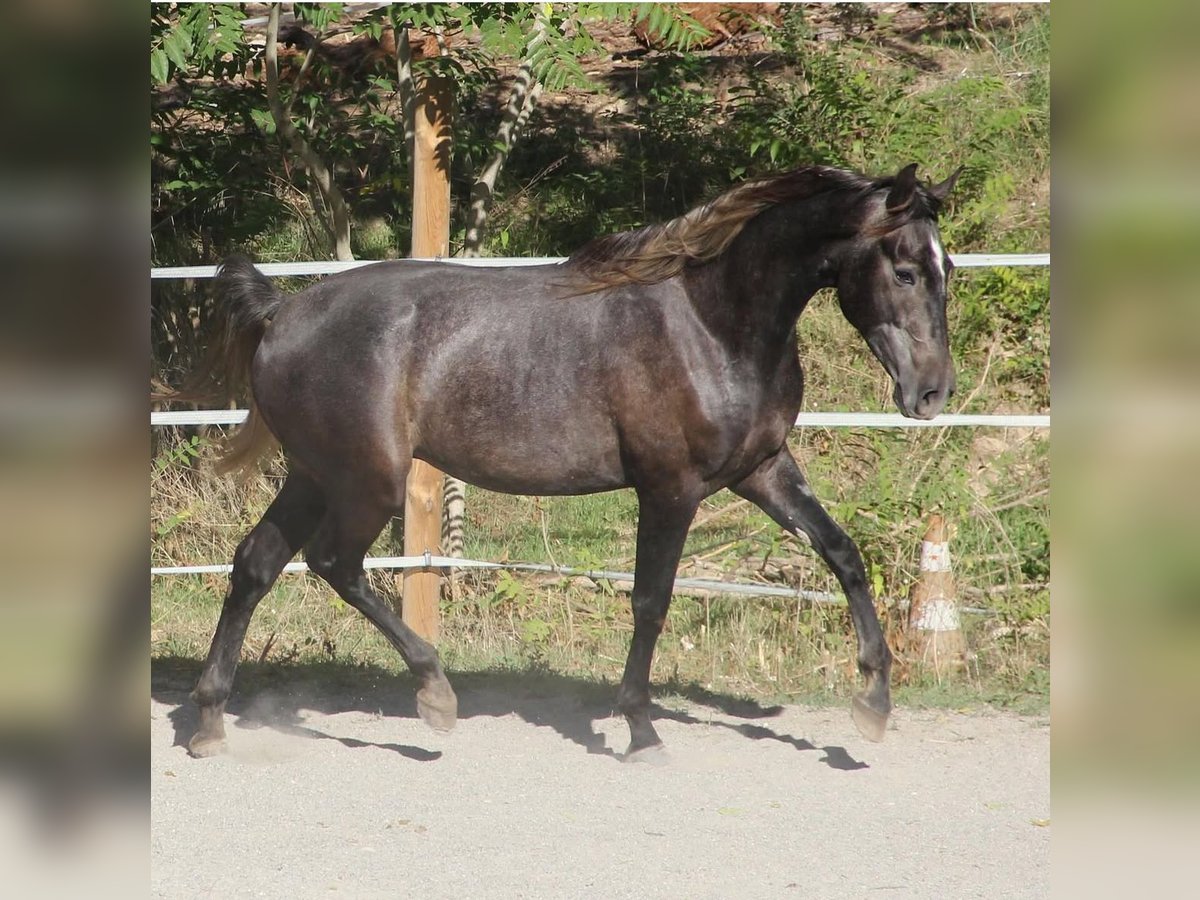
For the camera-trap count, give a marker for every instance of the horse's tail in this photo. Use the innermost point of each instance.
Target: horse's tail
(245, 302)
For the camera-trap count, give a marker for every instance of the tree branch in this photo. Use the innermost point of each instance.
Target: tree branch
(321, 175)
(407, 89)
(525, 92)
(308, 58)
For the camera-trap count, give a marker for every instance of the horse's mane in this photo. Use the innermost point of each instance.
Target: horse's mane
(657, 252)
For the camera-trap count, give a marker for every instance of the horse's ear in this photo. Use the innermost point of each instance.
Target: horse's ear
(942, 191)
(903, 188)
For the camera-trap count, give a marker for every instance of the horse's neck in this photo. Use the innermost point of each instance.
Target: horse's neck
(754, 292)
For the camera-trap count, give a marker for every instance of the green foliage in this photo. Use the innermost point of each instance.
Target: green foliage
(827, 113)
(1010, 306)
(508, 589)
(182, 454)
(319, 15)
(670, 25)
(172, 522)
(535, 631)
(228, 181)
(204, 39)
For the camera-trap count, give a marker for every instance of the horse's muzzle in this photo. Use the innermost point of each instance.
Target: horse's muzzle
(925, 402)
(923, 381)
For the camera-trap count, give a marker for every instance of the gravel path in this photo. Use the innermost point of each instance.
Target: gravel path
(327, 793)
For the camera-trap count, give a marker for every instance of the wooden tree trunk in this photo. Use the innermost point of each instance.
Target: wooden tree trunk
(431, 237)
(335, 217)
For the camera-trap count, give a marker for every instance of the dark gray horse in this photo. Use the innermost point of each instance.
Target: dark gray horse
(662, 359)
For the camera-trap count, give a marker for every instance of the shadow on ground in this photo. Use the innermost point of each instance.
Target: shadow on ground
(273, 695)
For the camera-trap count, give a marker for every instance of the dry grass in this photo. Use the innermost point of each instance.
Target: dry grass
(751, 646)
(764, 648)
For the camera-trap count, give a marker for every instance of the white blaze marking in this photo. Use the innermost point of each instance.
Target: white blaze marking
(939, 258)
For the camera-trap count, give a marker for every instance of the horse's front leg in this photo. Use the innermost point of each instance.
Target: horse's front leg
(663, 523)
(779, 489)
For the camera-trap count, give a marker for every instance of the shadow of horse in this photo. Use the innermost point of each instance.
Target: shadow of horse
(272, 695)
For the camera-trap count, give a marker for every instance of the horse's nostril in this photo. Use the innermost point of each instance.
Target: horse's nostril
(931, 402)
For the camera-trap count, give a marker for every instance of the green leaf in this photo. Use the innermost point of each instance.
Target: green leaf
(535, 631)
(178, 47)
(158, 65)
(229, 35)
(318, 14)
(263, 119)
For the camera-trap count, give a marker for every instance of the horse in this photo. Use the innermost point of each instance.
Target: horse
(662, 359)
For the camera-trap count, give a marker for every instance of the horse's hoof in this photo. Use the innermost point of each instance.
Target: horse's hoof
(202, 746)
(654, 755)
(871, 723)
(438, 705)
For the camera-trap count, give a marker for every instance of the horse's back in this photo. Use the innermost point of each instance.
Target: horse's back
(501, 377)
(477, 370)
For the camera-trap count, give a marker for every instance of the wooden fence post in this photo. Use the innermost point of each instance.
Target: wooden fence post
(430, 237)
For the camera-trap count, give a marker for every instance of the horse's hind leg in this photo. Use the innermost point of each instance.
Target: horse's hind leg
(336, 554)
(779, 489)
(287, 524)
(662, 528)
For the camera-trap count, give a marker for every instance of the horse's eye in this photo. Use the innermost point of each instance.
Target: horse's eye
(904, 276)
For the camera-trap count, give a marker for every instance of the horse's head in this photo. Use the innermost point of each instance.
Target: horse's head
(892, 288)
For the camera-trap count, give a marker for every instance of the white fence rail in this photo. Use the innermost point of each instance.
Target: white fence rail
(430, 562)
(813, 419)
(329, 267)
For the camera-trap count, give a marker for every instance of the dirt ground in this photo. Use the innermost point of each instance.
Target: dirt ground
(342, 791)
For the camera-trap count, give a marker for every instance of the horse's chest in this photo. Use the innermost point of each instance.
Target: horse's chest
(736, 421)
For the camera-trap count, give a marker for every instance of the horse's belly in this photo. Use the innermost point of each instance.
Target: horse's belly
(545, 485)
(568, 459)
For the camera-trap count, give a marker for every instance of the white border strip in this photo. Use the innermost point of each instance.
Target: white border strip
(813, 419)
(327, 267)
